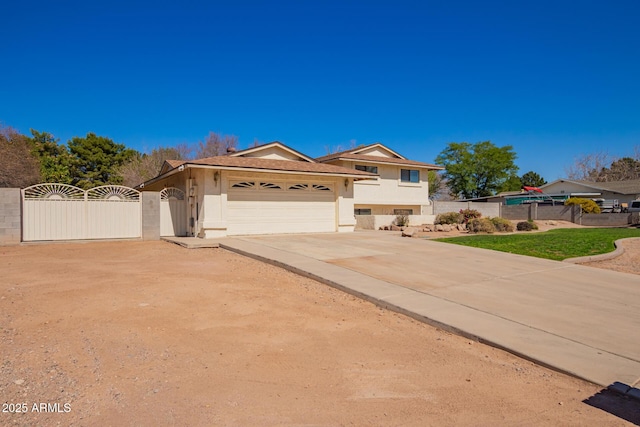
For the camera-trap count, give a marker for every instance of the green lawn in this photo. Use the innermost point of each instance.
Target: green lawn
(555, 244)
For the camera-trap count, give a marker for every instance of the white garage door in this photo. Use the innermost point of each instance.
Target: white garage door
(259, 207)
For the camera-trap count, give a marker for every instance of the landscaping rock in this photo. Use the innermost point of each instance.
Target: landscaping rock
(395, 228)
(439, 227)
(446, 227)
(408, 232)
(462, 227)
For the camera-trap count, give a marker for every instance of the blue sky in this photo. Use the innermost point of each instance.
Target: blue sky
(554, 79)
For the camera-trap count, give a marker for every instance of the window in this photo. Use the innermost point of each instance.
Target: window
(270, 185)
(299, 187)
(409, 175)
(372, 169)
(244, 184)
(362, 211)
(403, 211)
(320, 187)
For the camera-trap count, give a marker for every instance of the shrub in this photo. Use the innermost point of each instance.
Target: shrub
(526, 226)
(502, 225)
(481, 225)
(449, 218)
(588, 205)
(469, 214)
(402, 220)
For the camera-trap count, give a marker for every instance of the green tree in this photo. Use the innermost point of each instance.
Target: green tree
(512, 183)
(19, 168)
(54, 158)
(436, 184)
(532, 179)
(95, 160)
(477, 170)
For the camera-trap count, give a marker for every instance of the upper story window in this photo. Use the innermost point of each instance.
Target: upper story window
(409, 175)
(372, 169)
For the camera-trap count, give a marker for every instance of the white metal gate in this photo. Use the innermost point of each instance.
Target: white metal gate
(65, 212)
(173, 212)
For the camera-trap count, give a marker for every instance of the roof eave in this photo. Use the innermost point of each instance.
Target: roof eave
(289, 172)
(424, 166)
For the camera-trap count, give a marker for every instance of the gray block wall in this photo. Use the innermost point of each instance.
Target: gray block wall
(150, 215)
(489, 209)
(10, 216)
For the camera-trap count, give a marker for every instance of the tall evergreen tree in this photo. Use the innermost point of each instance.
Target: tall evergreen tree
(95, 160)
(532, 179)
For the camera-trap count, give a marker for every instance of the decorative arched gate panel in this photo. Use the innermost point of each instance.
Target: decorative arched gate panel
(65, 212)
(173, 212)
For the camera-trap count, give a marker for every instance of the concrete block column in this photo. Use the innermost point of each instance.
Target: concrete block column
(10, 216)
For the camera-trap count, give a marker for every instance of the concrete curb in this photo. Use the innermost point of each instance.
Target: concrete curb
(619, 250)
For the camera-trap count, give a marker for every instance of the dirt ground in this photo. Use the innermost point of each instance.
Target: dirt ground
(149, 333)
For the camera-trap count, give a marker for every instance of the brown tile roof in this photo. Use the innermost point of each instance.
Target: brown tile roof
(271, 165)
(376, 159)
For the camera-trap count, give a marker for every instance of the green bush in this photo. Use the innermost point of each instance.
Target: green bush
(502, 225)
(469, 214)
(481, 225)
(588, 205)
(526, 226)
(449, 218)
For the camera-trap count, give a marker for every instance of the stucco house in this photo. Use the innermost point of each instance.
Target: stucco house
(273, 188)
(622, 191)
(401, 186)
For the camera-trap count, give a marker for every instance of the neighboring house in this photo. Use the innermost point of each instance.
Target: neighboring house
(267, 189)
(401, 187)
(622, 191)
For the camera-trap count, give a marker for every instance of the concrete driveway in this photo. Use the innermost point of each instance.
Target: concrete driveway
(580, 320)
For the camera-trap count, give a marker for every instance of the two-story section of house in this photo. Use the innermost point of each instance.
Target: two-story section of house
(402, 185)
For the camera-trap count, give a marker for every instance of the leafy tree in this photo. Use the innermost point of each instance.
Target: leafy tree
(95, 160)
(18, 166)
(143, 167)
(477, 170)
(436, 184)
(513, 183)
(216, 145)
(54, 158)
(532, 179)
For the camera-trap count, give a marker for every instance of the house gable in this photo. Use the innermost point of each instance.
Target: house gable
(377, 150)
(274, 151)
